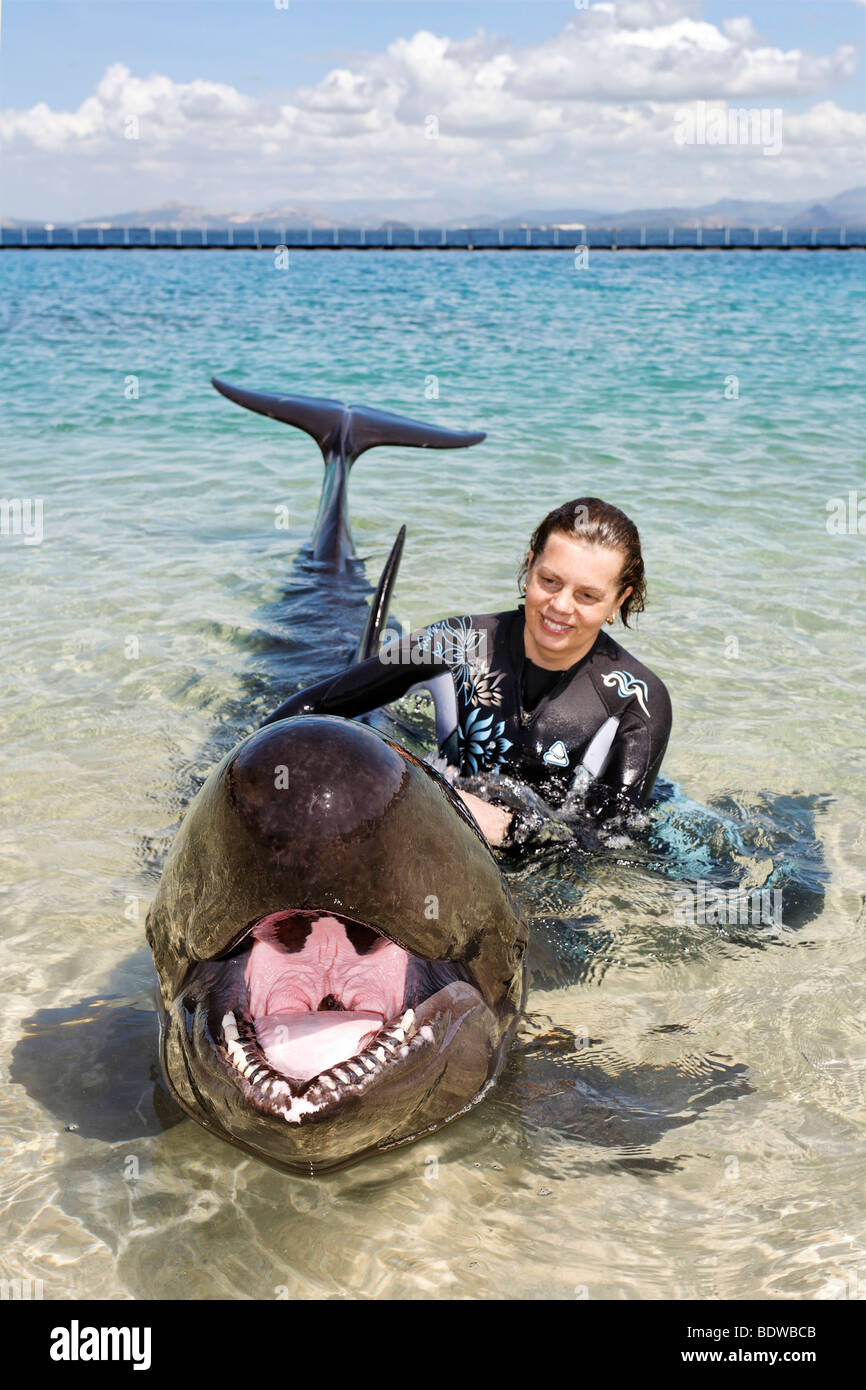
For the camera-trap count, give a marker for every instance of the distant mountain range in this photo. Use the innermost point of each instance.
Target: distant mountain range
(845, 208)
(848, 208)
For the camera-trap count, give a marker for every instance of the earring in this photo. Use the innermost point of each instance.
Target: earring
(612, 620)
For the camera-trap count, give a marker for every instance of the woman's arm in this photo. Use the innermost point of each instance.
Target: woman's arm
(364, 687)
(636, 755)
(493, 821)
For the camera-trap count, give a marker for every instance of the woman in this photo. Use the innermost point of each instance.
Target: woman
(540, 691)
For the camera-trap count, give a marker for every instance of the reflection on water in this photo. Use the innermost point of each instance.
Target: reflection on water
(682, 1114)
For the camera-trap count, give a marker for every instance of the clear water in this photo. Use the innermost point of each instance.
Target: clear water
(683, 1114)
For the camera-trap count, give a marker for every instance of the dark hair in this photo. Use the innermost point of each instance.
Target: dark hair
(598, 523)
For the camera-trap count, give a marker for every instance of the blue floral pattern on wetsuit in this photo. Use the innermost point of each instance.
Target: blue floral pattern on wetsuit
(461, 646)
(481, 742)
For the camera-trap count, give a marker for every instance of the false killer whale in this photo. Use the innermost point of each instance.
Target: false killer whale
(340, 961)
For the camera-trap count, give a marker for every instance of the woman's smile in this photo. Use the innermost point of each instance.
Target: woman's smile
(553, 626)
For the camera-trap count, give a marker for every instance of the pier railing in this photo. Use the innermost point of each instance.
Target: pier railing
(633, 238)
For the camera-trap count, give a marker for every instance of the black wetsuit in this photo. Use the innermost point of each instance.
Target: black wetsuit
(608, 712)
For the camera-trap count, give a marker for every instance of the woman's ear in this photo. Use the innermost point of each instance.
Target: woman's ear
(625, 593)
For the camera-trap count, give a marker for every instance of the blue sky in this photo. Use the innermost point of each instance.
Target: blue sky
(504, 141)
(235, 40)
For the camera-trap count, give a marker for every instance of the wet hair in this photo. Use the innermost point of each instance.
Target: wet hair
(598, 523)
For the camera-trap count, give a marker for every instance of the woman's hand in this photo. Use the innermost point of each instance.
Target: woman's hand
(493, 821)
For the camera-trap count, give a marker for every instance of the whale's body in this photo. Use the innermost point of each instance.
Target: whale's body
(340, 961)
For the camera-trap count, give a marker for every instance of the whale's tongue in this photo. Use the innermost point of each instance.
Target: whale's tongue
(302, 1045)
(320, 990)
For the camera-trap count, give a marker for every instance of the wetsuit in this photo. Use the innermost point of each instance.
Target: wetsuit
(608, 713)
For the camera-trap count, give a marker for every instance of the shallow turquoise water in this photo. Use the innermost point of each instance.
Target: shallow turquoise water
(141, 630)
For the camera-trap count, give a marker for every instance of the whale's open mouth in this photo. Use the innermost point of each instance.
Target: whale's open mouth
(311, 1008)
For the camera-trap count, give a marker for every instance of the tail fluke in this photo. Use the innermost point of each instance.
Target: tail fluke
(317, 416)
(365, 428)
(378, 615)
(347, 431)
(343, 432)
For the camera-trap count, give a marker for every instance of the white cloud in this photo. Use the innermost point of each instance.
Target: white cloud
(172, 110)
(585, 116)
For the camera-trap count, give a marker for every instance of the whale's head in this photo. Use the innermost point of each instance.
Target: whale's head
(340, 960)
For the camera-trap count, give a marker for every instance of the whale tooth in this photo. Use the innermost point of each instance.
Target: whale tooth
(426, 1032)
(353, 1067)
(368, 1061)
(400, 1031)
(329, 1081)
(340, 1075)
(230, 1028)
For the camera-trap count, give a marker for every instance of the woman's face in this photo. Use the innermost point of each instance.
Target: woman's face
(571, 588)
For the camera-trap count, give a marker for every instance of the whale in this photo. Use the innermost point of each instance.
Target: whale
(341, 964)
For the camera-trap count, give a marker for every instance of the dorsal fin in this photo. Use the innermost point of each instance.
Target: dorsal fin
(347, 431)
(378, 615)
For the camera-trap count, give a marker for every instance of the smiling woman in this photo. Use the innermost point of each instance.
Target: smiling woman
(603, 573)
(541, 691)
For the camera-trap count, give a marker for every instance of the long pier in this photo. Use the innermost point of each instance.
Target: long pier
(643, 238)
